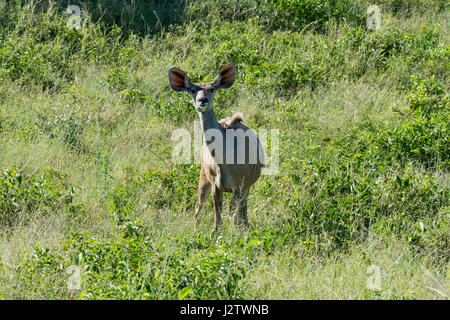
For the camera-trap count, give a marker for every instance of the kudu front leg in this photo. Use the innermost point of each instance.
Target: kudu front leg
(217, 200)
(203, 188)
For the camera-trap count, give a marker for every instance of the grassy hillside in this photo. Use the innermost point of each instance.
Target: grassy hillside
(359, 208)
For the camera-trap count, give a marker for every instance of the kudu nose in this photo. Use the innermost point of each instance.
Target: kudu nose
(203, 99)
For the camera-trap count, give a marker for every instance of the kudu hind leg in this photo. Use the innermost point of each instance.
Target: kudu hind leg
(234, 203)
(242, 208)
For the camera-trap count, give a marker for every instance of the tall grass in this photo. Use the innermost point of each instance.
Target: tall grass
(86, 177)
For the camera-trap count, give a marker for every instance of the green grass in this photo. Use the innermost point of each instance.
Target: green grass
(86, 177)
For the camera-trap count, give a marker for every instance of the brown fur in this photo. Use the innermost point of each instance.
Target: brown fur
(219, 178)
(228, 122)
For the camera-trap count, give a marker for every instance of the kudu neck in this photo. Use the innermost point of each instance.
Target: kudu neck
(208, 121)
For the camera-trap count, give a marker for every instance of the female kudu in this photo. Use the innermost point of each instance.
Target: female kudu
(228, 139)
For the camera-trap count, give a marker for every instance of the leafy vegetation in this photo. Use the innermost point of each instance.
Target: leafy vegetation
(23, 197)
(87, 182)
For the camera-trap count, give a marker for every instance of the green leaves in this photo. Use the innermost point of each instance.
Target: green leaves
(427, 97)
(184, 292)
(130, 266)
(423, 136)
(173, 189)
(298, 14)
(24, 197)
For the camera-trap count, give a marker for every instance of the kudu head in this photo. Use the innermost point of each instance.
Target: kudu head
(203, 93)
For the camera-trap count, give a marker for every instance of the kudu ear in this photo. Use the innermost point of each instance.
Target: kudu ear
(226, 77)
(179, 80)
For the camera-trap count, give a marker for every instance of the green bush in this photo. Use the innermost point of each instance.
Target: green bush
(423, 137)
(409, 7)
(174, 189)
(340, 205)
(117, 78)
(420, 139)
(427, 97)
(383, 49)
(37, 48)
(66, 125)
(35, 272)
(134, 96)
(298, 14)
(175, 107)
(129, 266)
(33, 63)
(293, 15)
(24, 197)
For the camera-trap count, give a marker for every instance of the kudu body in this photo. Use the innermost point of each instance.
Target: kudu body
(231, 156)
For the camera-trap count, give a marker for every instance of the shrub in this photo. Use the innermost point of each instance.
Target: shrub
(24, 197)
(175, 107)
(298, 14)
(129, 266)
(66, 125)
(424, 136)
(412, 6)
(427, 97)
(134, 96)
(32, 63)
(117, 78)
(291, 15)
(174, 189)
(420, 139)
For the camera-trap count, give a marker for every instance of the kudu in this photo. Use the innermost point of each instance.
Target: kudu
(228, 138)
